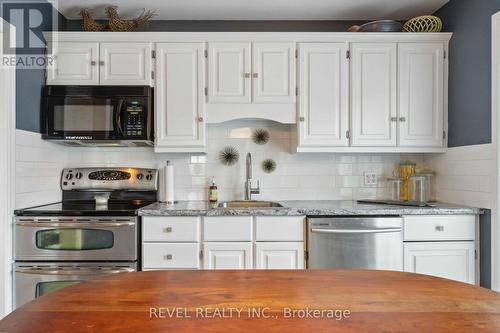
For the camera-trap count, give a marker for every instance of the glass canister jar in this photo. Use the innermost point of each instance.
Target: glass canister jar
(421, 187)
(394, 188)
(417, 189)
(405, 170)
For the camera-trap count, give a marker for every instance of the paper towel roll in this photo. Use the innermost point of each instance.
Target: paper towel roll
(168, 172)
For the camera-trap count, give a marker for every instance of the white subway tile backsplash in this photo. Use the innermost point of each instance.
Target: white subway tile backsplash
(316, 176)
(465, 175)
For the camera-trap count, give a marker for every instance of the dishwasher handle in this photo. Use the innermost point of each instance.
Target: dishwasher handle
(356, 231)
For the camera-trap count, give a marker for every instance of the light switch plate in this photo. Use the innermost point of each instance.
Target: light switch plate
(369, 179)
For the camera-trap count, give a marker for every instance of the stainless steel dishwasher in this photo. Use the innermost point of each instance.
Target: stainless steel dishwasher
(355, 242)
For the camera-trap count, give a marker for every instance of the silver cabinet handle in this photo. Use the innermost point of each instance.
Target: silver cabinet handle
(402, 119)
(167, 229)
(101, 63)
(168, 257)
(394, 119)
(93, 63)
(255, 75)
(200, 119)
(439, 228)
(51, 271)
(302, 119)
(247, 75)
(355, 231)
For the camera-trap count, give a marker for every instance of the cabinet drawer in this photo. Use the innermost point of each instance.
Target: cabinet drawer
(227, 229)
(170, 255)
(278, 228)
(439, 227)
(170, 229)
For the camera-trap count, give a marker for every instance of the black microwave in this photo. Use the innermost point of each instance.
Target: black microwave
(98, 115)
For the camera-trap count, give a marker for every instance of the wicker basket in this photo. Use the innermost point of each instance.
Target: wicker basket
(427, 23)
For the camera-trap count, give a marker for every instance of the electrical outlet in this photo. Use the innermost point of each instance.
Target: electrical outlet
(369, 179)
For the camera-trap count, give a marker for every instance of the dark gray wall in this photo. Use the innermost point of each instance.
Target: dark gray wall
(184, 25)
(29, 82)
(470, 69)
(485, 249)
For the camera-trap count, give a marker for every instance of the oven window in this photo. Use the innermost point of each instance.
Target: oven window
(84, 115)
(43, 288)
(74, 239)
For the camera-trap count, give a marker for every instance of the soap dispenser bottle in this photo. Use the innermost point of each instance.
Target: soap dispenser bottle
(212, 192)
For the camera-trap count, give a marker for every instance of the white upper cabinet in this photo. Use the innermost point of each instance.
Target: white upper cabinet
(76, 63)
(323, 95)
(251, 80)
(93, 63)
(179, 106)
(125, 64)
(273, 72)
(374, 94)
(344, 92)
(229, 72)
(421, 97)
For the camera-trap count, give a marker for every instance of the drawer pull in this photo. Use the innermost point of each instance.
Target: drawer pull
(439, 228)
(167, 230)
(169, 257)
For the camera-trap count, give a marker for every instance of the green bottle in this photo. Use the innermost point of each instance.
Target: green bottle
(212, 192)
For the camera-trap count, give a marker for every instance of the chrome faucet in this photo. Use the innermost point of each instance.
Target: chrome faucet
(249, 190)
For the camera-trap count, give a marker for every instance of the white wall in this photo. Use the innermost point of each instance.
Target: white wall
(7, 170)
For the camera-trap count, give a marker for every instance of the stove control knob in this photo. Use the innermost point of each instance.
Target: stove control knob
(140, 176)
(149, 177)
(69, 176)
(78, 175)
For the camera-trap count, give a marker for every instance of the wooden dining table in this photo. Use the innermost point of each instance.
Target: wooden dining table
(262, 301)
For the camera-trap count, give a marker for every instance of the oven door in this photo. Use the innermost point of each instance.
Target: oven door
(93, 238)
(83, 118)
(32, 280)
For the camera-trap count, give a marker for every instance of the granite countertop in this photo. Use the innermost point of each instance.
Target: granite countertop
(303, 207)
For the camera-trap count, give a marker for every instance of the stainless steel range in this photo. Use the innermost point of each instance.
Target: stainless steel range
(93, 231)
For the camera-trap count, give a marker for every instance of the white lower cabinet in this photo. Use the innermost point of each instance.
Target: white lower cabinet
(171, 242)
(227, 255)
(222, 242)
(450, 260)
(171, 255)
(279, 255)
(442, 246)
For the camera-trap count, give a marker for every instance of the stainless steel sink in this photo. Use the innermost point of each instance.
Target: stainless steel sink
(249, 204)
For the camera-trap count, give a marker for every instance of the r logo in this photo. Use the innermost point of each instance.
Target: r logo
(31, 18)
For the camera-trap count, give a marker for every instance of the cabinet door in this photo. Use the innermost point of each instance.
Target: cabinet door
(279, 255)
(323, 94)
(450, 260)
(236, 255)
(273, 74)
(421, 81)
(75, 64)
(373, 94)
(125, 64)
(179, 111)
(229, 72)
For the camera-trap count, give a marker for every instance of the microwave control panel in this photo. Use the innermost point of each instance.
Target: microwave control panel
(134, 120)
